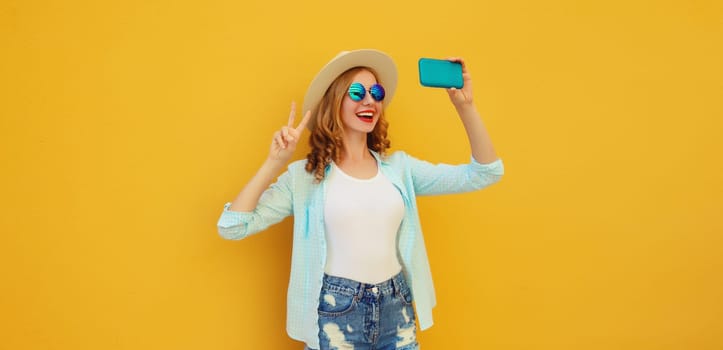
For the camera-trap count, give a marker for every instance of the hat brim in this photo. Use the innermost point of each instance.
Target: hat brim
(380, 62)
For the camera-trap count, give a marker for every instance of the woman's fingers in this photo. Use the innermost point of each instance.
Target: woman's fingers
(465, 73)
(460, 61)
(286, 138)
(465, 93)
(285, 133)
(303, 122)
(279, 140)
(292, 114)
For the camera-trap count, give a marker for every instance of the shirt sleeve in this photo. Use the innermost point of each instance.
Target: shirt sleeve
(431, 179)
(274, 205)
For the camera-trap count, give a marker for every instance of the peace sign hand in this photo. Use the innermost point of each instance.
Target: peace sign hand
(285, 140)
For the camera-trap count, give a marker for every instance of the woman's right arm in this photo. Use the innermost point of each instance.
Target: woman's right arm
(249, 196)
(245, 208)
(282, 147)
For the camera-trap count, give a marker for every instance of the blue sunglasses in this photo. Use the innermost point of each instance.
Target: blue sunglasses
(357, 92)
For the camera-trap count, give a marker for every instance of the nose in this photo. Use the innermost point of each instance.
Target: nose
(368, 99)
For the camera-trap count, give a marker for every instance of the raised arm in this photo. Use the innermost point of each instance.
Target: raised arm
(479, 140)
(282, 148)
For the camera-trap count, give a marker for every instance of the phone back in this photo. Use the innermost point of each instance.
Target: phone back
(440, 73)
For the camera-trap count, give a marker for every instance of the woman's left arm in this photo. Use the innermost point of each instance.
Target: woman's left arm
(479, 140)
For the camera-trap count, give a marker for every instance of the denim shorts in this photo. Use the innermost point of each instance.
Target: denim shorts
(360, 316)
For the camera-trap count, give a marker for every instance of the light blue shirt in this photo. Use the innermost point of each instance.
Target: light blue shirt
(296, 193)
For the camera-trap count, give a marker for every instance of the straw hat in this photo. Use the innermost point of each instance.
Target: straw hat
(380, 62)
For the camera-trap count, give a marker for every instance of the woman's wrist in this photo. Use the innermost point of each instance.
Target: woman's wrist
(466, 110)
(274, 165)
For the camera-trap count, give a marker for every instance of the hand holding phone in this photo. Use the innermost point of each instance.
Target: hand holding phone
(440, 73)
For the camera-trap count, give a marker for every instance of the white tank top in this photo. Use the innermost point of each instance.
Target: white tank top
(362, 217)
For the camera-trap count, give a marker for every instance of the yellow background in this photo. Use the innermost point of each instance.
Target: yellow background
(126, 126)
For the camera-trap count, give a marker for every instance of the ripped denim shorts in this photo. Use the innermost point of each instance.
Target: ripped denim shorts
(355, 315)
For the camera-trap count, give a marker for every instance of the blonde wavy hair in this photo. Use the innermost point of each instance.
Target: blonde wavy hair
(327, 128)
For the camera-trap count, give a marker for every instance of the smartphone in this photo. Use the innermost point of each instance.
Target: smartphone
(440, 73)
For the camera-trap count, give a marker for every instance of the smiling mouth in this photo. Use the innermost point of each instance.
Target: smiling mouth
(366, 117)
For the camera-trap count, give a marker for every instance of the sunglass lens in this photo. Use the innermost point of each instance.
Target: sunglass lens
(357, 92)
(377, 92)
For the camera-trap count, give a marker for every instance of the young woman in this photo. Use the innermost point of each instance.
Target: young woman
(358, 257)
